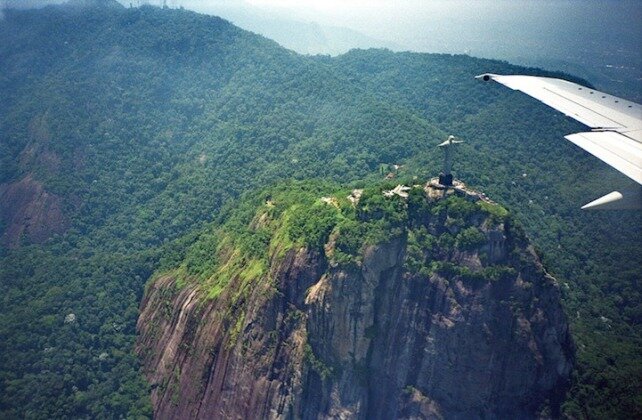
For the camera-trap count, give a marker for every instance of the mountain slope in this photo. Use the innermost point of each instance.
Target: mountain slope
(171, 99)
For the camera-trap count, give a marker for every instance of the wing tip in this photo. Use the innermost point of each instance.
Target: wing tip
(628, 200)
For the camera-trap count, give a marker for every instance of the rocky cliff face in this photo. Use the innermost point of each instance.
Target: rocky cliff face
(28, 211)
(449, 315)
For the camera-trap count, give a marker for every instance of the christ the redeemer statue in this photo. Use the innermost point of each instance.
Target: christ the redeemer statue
(446, 178)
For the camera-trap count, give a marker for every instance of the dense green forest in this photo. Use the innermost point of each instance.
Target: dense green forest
(147, 122)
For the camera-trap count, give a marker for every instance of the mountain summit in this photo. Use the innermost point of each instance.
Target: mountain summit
(317, 302)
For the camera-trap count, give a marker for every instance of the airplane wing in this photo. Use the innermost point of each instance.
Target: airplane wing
(616, 124)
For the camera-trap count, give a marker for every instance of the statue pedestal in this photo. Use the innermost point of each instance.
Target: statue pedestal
(446, 180)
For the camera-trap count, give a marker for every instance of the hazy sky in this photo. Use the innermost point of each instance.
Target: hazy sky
(430, 25)
(599, 39)
(27, 3)
(507, 28)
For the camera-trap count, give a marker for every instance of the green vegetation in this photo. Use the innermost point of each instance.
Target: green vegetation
(376, 219)
(317, 365)
(267, 224)
(250, 231)
(317, 215)
(494, 209)
(491, 273)
(312, 224)
(470, 238)
(150, 123)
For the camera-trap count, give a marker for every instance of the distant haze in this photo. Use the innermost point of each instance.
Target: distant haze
(26, 4)
(600, 40)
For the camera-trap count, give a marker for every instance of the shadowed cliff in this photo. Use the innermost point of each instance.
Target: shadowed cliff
(312, 301)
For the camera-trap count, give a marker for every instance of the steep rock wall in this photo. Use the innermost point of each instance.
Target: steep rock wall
(313, 338)
(28, 211)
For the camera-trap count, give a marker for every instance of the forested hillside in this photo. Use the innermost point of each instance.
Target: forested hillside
(134, 127)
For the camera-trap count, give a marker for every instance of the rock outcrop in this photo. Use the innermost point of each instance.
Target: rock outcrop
(29, 212)
(451, 315)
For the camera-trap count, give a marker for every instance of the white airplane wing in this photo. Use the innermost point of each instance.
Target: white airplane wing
(616, 136)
